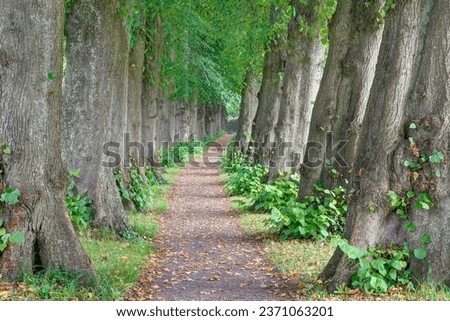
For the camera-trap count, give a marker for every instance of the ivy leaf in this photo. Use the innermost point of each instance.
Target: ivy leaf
(426, 238)
(437, 158)
(74, 173)
(420, 253)
(7, 151)
(411, 227)
(412, 126)
(10, 196)
(410, 194)
(17, 237)
(51, 75)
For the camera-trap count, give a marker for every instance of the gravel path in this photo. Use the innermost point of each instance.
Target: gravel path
(202, 252)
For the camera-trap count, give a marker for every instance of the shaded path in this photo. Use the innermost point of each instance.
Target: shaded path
(202, 252)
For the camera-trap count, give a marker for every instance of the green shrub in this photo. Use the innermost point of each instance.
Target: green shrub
(319, 216)
(140, 190)
(79, 207)
(379, 268)
(277, 194)
(246, 181)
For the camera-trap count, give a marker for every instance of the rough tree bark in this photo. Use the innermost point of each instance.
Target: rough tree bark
(193, 109)
(184, 117)
(31, 52)
(305, 54)
(269, 97)
(201, 116)
(95, 100)
(355, 36)
(150, 90)
(411, 85)
(134, 112)
(249, 104)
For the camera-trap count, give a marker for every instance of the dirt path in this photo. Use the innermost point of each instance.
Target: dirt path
(202, 252)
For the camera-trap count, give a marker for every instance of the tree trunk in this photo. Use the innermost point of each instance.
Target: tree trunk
(305, 54)
(134, 113)
(249, 104)
(355, 36)
(183, 113)
(150, 90)
(31, 52)
(411, 85)
(269, 97)
(95, 100)
(201, 116)
(193, 109)
(263, 132)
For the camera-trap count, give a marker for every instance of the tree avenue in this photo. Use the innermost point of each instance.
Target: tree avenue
(342, 110)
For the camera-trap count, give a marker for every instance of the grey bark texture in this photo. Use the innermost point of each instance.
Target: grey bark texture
(305, 55)
(249, 104)
(134, 112)
(31, 52)
(355, 36)
(411, 85)
(263, 131)
(95, 102)
(150, 90)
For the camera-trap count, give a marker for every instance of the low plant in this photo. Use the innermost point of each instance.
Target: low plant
(276, 194)
(380, 268)
(318, 216)
(140, 190)
(79, 207)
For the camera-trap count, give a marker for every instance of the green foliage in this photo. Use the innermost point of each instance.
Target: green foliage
(140, 190)
(80, 208)
(51, 75)
(424, 201)
(277, 194)
(379, 268)
(437, 158)
(399, 203)
(318, 216)
(9, 238)
(10, 196)
(420, 253)
(119, 182)
(245, 179)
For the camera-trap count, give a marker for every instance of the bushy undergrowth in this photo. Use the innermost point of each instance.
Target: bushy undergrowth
(318, 216)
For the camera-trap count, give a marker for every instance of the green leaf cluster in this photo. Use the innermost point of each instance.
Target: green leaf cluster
(379, 268)
(319, 216)
(9, 238)
(79, 207)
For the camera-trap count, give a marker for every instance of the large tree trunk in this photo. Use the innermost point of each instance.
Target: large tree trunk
(134, 113)
(411, 85)
(31, 51)
(95, 100)
(150, 90)
(249, 104)
(305, 54)
(355, 36)
(263, 132)
(269, 96)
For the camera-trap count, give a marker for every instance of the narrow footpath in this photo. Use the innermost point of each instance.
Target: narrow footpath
(202, 252)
